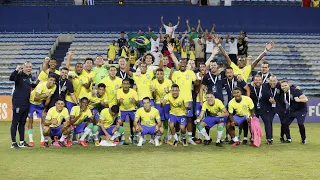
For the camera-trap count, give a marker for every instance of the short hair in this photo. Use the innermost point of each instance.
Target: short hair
(52, 76)
(60, 99)
(210, 92)
(84, 99)
(99, 55)
(64, 68)
(236, 89)
(284, 81)
(89, 59)
(159, 69)
(126, 79)
(53, 58)
(273, 76)
(175, 86)
(146, 98)
(148, 54)
(265, 62)
(202, 63)
(112, 67)
(229, 68)
(214, 61)
(101, 85)
(257, 76)
(115, 109)
(79, 63)
(121, 57)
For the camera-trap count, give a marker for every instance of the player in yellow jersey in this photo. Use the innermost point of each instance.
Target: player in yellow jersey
(128, 101)
(42, 92)
(98, 100)
(112, 52)
(89, 74)
(53, 123)
(150, 123)
(178, 111)
(185, 79)
(160, 87)
(241, 108)
(242, 68)
(113, 83)
(143, 82)
(43, 76)
(216, 114)
(109, 117)
(80, 117)
(100, 70)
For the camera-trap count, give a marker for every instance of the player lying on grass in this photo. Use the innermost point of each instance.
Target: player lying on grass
(150, 123)
(108, 117)
(241, 108)
(53, 123)
(216, 114)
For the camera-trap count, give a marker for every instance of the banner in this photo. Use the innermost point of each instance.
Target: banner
(5, 108)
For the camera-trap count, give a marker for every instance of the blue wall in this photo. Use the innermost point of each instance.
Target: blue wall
(115, 18)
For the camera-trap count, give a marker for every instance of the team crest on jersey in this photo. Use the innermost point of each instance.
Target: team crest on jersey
(130, 99)
(166, 89)
(117, 86)
(187, 77)
(179, 103)
(244, 107)
(151, 117)
(148, 76)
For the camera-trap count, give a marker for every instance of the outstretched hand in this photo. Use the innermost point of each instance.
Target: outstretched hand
(269, 45)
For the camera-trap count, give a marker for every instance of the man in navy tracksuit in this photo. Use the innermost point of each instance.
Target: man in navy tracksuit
(260, 96)
(296, 108)
(20, 102)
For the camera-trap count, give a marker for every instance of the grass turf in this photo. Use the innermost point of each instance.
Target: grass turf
(278, 161)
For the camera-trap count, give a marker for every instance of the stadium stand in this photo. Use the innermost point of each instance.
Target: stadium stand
(296, 56)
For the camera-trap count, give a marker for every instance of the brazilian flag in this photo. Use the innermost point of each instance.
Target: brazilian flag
(140, 41)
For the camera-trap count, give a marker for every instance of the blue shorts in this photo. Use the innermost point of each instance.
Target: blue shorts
(164, 112)
(182, 120)
(151, 100)
(190, 112)
(148, 130)
(97, 117)
(109, 130)
(131, 114)
(239, 119)
(79, 128)
(197, 109)
(55, 131)
(38, 108)
(69, 105)
(211, 120)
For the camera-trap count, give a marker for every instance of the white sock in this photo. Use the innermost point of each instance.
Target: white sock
(30, 137)
(204, 133)
(151, 137)
(95, 136)
(85, 134)
(123, 138)
(63, 137)
(235, 139)
(115, 135)
(175, 136)
(70, 137)
(199, 135)
(219, 134)
(46, 139)
(245, 138)
(169, 136)
(157, 137)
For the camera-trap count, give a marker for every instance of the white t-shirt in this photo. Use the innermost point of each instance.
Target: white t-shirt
(170, 30)
(233, 49)
(155, 44)
(227, 2)
(209, 46)
(156, 58)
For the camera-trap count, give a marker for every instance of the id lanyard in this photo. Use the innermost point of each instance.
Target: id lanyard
(264, 79)
(258, 96)
(232, 84)
(124, 75)
(287, 101)
(273, 93)
(60, 88)
(214, 82)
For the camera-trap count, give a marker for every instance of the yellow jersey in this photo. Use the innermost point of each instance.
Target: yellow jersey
(59, 116)
(124, 51)
(184, 53)
(106, 118)
(41, 89)
(127, 104)
(242, 108)
(84, 92)
(177, 107)
(161, 90)
(245, 72)
(111, 89)
(94, 100)
(192, 55)
(148, 118)
(43, 76)
(112, 52)
(77, 84)
(75, 111)
(132, 58)
(215, 109)
(143, 82)
(184, 81)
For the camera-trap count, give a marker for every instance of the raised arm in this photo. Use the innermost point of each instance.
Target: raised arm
(178, 21)
(69, 59)
(199, 25)
(268, 47)
(45, 65)
(128, 69)
(189, 29)
(217, 41)
(212, 30)
(14, 75)
(213, 54)
(173, 57)
(162, 24)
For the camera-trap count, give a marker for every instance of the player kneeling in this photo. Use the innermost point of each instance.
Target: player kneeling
(216, 114)
(52, 125)
(150, 122)
(107, 118)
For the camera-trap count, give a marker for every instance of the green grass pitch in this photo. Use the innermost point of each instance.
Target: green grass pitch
(278, 161)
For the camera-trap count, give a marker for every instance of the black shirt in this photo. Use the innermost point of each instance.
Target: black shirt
(242, 49)
(264, 78)
(276, 94)
(262, 103)
(215, 84)
(230, 85)
(63, 87)
(121, 42)
(124, 75)
(289, 98)
(22, 88)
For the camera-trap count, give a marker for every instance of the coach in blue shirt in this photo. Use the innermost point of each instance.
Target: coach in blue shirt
(20, 102)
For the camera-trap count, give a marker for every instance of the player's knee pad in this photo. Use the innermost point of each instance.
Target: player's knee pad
(199, 127)
(95, 129)
(220, 127)
(120, 129)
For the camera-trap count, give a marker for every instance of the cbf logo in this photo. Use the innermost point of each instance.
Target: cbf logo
(117, 86)
(130, 99)
(245, 107)
(151, 117)
(187, 77)
(166, 90)
(179, 103)
(148, 76)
